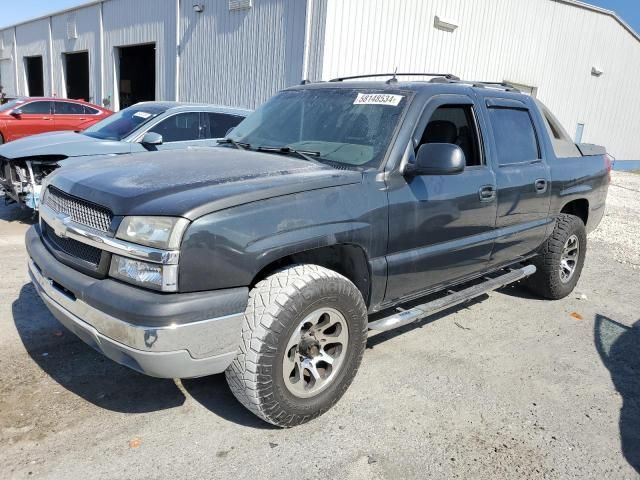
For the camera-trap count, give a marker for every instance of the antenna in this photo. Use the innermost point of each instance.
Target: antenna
(393, 79)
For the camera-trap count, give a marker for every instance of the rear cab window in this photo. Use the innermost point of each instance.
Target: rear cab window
(563, 146)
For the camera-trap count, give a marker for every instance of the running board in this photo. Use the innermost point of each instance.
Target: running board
(405, 317)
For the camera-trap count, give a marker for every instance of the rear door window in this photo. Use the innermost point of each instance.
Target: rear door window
(68, 108)
(216, 125)
(42, 108)
(515, 136)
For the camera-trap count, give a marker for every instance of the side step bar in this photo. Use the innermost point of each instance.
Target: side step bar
(405, 317)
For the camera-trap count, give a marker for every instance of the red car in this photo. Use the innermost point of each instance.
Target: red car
(30, 115)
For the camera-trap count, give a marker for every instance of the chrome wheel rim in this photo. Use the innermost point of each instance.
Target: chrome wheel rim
(569, 258)
(315, 352)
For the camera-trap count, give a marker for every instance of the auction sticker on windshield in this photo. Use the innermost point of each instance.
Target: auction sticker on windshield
(144, 115)
(378, 99)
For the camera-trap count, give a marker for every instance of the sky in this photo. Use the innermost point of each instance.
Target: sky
(25, 9)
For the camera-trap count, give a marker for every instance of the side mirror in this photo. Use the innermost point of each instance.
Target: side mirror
(16, 113)
(151, 139)
(437, 159)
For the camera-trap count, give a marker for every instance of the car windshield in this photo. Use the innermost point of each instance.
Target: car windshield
(351, 127)
(124, 123)
(10, 105)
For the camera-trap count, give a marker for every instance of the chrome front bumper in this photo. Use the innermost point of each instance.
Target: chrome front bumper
(175, 351)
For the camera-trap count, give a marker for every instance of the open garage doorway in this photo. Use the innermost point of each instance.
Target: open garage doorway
(76, 69)
(35, 76)
(136, 74)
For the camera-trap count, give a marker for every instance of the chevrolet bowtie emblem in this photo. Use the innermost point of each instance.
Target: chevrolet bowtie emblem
(59, 224)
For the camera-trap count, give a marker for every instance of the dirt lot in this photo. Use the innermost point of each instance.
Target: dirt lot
(507, 387)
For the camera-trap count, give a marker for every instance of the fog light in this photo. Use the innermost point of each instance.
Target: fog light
(150, 275)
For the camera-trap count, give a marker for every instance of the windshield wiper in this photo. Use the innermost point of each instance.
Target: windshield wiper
(304, 154)
(238, 145)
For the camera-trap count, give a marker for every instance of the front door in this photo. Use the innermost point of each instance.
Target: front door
(441, 226)
(35, 117)
(523, 179)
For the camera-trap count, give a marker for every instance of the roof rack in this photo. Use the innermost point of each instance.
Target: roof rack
(479, 84)
(447, 76)
(437, 78)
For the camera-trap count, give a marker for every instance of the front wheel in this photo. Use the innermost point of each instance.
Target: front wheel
(304, 334)
(560, 260)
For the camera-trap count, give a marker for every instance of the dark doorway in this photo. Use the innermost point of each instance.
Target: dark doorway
(77, 75)
(35, 76)
(137, 79)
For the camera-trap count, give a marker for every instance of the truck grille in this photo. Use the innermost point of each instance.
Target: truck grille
(72, 247)
(80, 211)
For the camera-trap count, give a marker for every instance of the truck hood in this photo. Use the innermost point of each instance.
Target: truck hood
(193, 182)
(61, 144)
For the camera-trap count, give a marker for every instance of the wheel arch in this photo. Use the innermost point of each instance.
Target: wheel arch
(349, 260)
(579, 208)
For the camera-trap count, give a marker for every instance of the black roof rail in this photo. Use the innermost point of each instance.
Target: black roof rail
(506, 86)
(448, 76)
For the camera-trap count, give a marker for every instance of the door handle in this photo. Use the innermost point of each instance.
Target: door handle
(540, 185)
(487, 193)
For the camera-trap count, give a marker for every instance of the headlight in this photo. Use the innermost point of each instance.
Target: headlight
(150, 275)
(158, 232)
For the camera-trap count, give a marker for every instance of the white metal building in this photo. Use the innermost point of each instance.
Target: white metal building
(582, 61)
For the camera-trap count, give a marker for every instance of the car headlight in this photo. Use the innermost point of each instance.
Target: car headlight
(145, 274)
(159, 232)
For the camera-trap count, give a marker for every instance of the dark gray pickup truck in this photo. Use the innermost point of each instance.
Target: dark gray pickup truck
(336, 208)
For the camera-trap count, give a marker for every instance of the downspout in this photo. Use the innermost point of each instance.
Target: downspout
(15, 61)
(51, 58)
(101, 57)
(178, 48)
(307, 40)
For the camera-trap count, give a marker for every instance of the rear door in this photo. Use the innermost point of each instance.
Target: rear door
(522, 177)
(441, 226)
(36, 117)
(69, 115)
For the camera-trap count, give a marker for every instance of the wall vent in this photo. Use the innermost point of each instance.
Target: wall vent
(72, 30)
(240, 4)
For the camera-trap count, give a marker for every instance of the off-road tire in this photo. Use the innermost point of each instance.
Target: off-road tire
(275, 309)
(546, 281)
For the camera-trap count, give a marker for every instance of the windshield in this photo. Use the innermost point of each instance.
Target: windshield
(352, 127)
(10, 105)
(124, 123)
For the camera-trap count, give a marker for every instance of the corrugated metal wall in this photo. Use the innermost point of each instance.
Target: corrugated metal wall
(7, 55)
(86, 23)
(136, 22)
(32, 39)
(541, 43)
(240, 57)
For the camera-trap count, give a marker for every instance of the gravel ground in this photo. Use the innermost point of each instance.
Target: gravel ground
(509, 386)
(620, 226)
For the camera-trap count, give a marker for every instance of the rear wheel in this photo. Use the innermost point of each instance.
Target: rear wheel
(303, 338)
(560, 260)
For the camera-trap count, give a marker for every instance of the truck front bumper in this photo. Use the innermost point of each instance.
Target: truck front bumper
(161, 335)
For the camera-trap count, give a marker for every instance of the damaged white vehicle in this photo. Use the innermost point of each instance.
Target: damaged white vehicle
(142, 127)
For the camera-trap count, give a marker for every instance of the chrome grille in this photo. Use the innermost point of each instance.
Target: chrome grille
(80, 211)
(72, 247)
